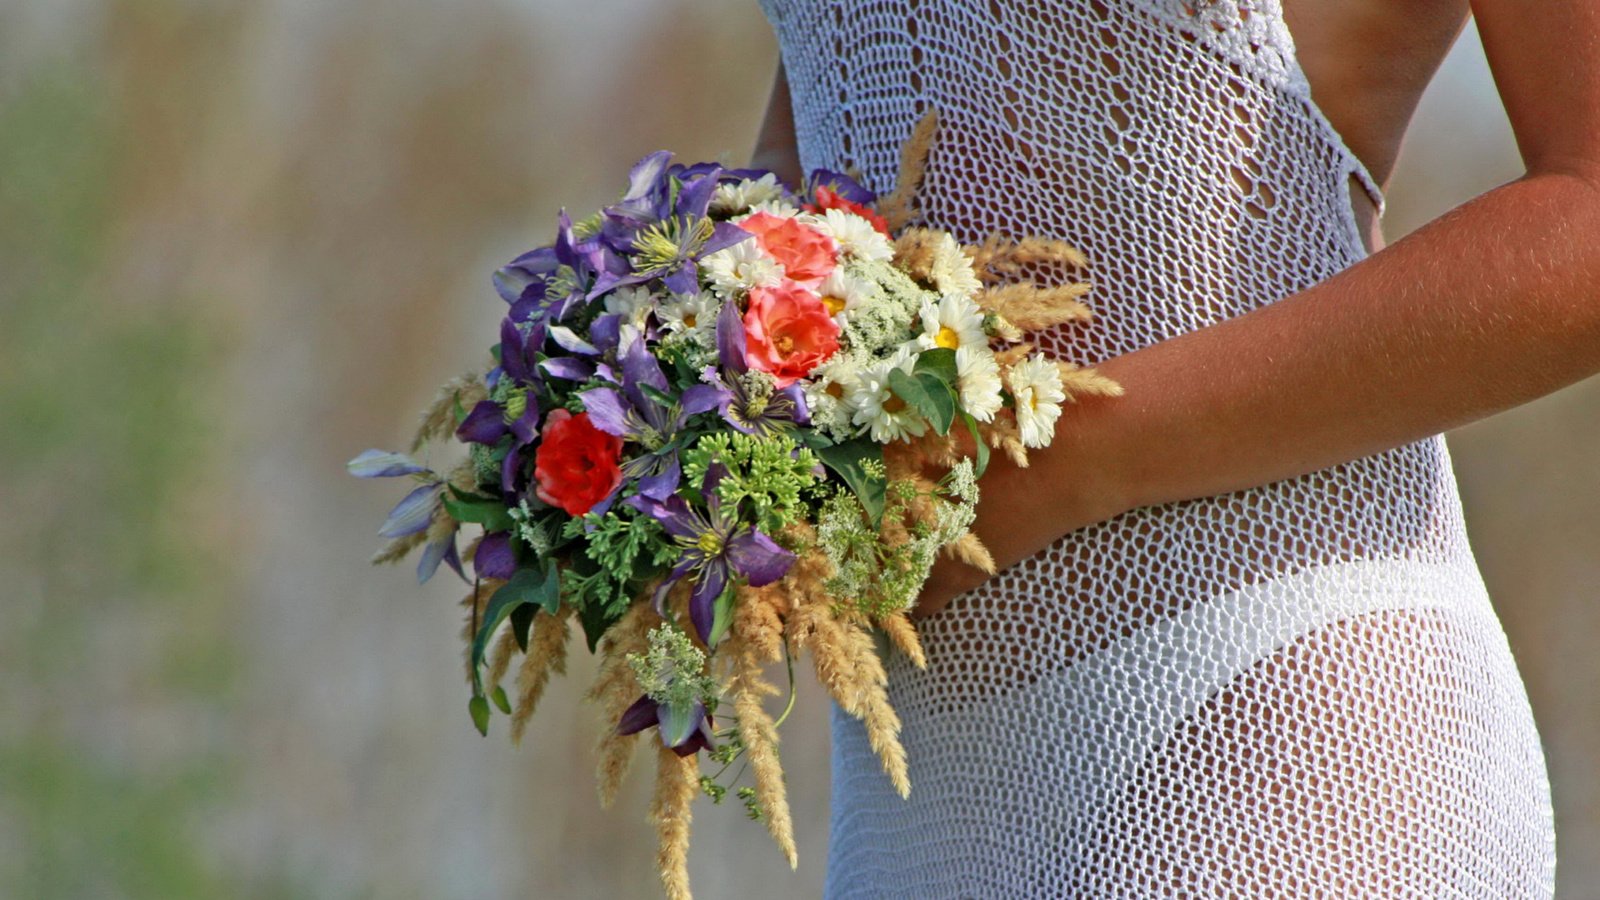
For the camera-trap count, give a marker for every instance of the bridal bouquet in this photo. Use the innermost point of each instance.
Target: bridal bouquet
(718, 434)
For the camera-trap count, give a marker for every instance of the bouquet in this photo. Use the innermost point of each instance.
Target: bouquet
(718, 432)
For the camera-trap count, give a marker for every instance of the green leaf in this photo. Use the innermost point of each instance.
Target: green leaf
(983, 448)
(500, 699)
(845, 460)
(928, 395)
(597, 619)
(939, 362)
(478, 708)
(658, 395)
(540, 587)
(477, 509)
(521, 623)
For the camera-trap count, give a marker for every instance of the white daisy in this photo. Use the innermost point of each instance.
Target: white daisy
(856, 237)
(951, 270)
(633, 303)
(775, 207)
(694, 314)
(886, 415)
(954, 322)
(1036, 386)
(828, 396)
(736, 269)
(843, 293)
(978, 382)
(736, 197)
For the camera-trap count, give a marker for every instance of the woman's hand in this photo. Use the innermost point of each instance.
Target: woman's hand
(1022, 511)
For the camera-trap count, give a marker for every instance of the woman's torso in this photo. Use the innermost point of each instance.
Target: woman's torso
(1216, 689)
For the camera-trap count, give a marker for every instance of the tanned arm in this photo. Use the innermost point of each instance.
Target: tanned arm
(1490, 306)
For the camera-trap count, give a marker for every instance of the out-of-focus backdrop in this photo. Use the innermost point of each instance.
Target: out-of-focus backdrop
(241, 240)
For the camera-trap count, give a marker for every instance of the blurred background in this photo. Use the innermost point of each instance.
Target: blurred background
(242, 240)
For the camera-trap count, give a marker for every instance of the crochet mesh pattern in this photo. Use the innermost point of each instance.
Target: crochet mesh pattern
(1295, 690)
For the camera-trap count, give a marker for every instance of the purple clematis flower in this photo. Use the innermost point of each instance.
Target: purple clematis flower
(415, 512)
(840, 184)
(683, 731)
(745, 408)
(490, 422)
(662, 231)
(640, 412)
(715, 545)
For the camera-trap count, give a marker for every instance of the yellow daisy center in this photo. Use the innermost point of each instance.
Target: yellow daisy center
(834, 304)
(947, 338)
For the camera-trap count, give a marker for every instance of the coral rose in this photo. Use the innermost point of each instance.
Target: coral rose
(788, 332)
(828, 198)
(806, 254)
(576, 464)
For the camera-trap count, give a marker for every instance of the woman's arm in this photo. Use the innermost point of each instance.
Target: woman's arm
(1490, 306)
(775, 144)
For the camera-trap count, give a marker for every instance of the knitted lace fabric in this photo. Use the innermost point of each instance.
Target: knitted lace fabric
(1298, 690)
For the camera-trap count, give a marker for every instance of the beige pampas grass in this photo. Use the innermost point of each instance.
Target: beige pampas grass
(898, 208)
(677, 782)
(999, 258)
(846, 663)
(904, 637)
(971, 551)
(546, 656)
(615, 688)
(439, 418)
(759, 736)
(1032, 308)
(1086, 383)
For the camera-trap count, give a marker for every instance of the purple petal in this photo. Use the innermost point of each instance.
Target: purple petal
(570, 368)
(758, 558)
(513, 352)
(383, 464)
(569, 340)
(511, 470)
(606, 332)
(639, 367)
(725, 235)
(664, 482)
(638, 717)
(703, 602)
(844, 186)
(486, 424)
(683, 280)
(412, 513)
(526, 427)
(699, 398)
(699, 740)
(511, 282)
(610, 281)
(608, 411)
(659, 599)
(494, 558)
(695, 198)
(435, 552)
(797, 398)
(730, 339)
(679, 723)
(676, 516)
(644, 179)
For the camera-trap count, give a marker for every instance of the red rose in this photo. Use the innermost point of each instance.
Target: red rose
(828, 198)
(576, 464)
(788, 332)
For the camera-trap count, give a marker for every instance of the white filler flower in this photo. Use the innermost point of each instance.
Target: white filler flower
(1036, 387)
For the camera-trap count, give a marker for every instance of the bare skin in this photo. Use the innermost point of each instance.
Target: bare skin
(1490, 306)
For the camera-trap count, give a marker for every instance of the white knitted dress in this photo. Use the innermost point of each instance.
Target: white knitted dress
(1299, 690)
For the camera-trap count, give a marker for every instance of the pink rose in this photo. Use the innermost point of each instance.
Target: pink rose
(788, 332)
(806, 254)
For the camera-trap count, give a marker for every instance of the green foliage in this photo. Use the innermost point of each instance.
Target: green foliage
(859, 463)
(621, 552)
(772, 473)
